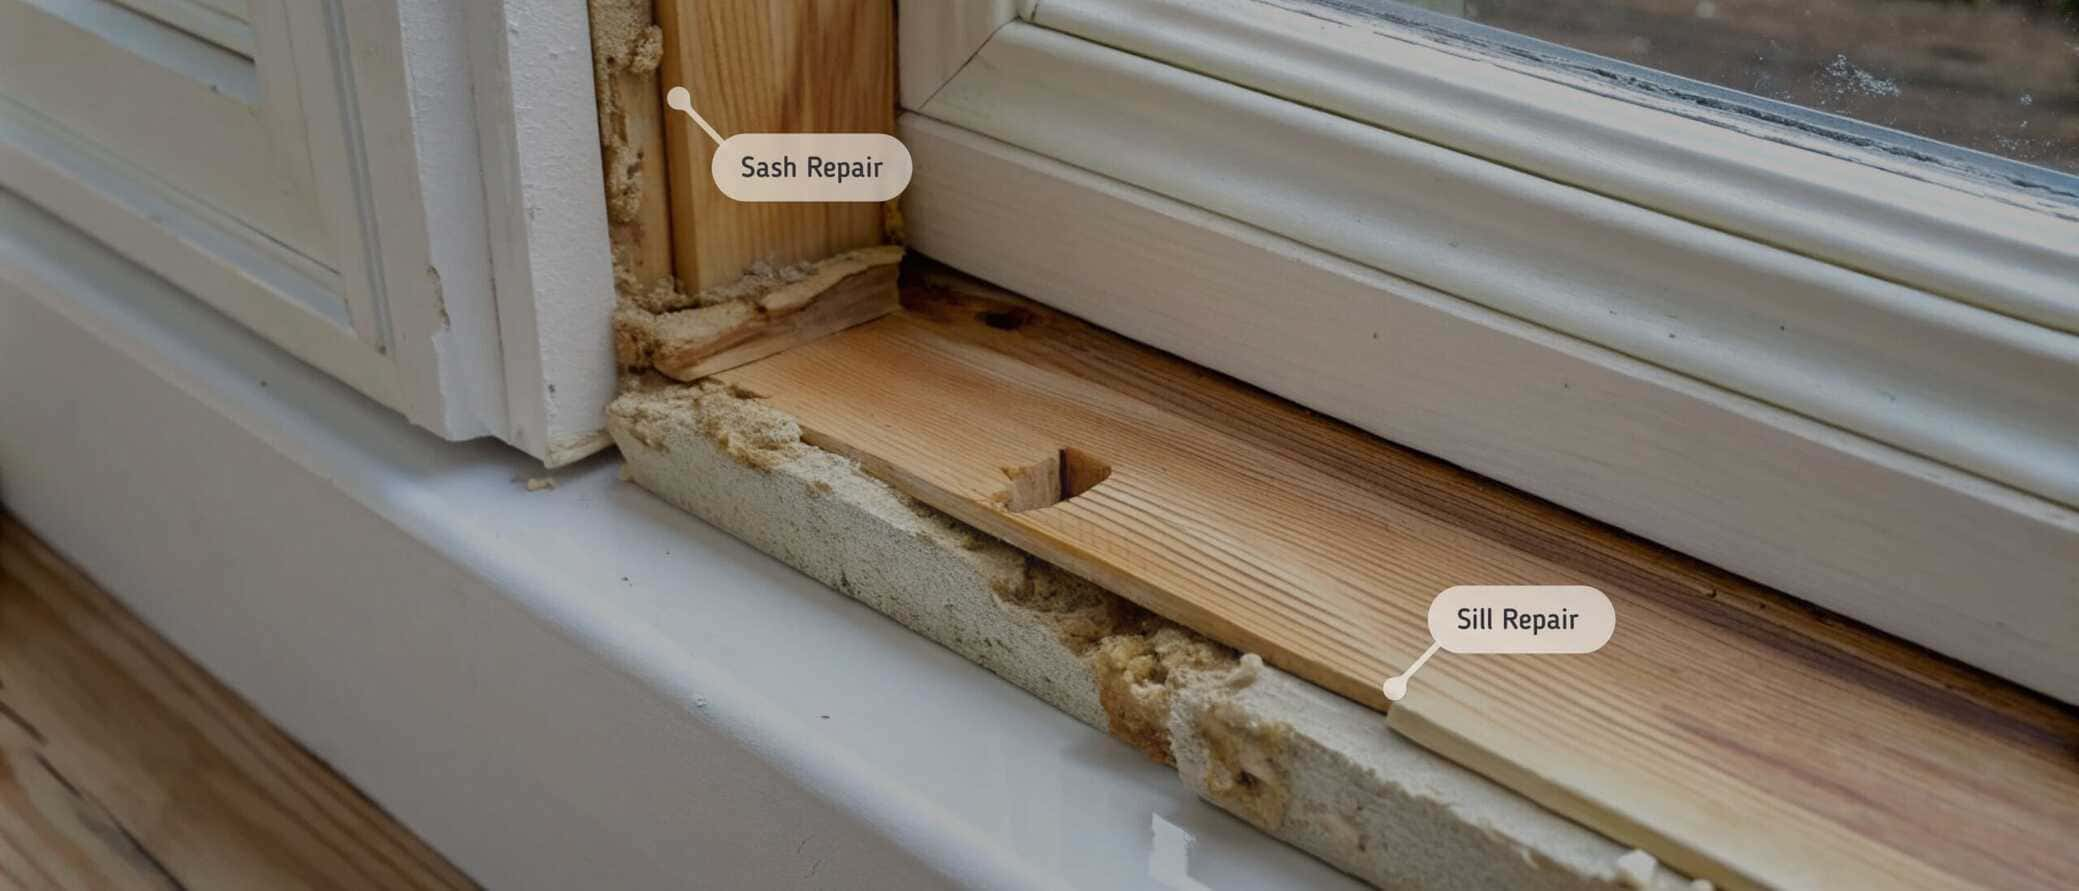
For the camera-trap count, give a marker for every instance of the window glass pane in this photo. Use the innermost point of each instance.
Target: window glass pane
(1997, 76)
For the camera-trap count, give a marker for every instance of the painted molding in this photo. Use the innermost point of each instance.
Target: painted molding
(934, 38)
(1968, 567)
(582, 687)
(455, 265)
(537, 129)
(1982, 391)
(1972, 237)
(387, 124)
(234, 269)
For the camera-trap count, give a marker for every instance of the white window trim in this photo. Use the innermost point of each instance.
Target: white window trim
(428, 625)
(1752, 351)
(544, 188)
(455, 155)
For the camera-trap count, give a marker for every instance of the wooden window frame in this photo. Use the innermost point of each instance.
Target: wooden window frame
(1202, 177)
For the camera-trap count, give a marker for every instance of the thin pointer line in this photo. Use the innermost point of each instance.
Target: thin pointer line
(678, 98)
(1397, 686)
(1433, 647)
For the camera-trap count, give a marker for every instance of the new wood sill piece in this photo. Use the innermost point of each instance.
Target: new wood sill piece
(1740, 735)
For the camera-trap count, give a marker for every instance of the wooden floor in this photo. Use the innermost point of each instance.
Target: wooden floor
(124, 765)
(1736, 732)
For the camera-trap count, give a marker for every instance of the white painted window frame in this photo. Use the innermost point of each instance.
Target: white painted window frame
(1848, 374)
(454, 152)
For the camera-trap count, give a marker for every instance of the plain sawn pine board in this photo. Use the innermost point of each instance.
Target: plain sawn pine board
(770, 66)
(1736, 733)
(123, 765)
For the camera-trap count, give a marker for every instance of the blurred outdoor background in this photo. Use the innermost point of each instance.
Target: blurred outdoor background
(1999, 76)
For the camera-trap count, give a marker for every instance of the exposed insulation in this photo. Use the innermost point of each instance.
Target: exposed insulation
(745, 430)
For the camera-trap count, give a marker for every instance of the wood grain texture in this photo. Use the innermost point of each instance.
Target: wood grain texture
(1732, 731)
(857, 297)
(123, 765)
(770, 66)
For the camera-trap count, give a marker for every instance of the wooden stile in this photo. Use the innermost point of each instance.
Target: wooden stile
(770, 66)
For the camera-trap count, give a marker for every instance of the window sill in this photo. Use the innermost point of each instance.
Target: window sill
(559, 688)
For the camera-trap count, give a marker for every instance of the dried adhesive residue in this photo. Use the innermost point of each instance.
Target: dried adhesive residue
(701, 329)
(635, 337)
(625, 43)
(634, 291)
(663, 328)
(893, 227)
(1080, 614)
(1245, 770)
(1136, 673)
(746, 429)
(1635, 869)
(761, 279)
(1138, 660)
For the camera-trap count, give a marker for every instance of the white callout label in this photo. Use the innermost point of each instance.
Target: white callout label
(1522, 619)
(812, 167)
(802, 167)
(1537, 619)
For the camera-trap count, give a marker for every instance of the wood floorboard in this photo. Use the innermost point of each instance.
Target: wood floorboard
(125, 765)
(1740, 734)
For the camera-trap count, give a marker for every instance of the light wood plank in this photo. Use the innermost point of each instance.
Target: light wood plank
(1736, 733)
(126, 766)
(770, 66)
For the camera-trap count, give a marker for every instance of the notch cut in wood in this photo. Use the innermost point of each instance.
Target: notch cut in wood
(1742, 736)
(1045, 483)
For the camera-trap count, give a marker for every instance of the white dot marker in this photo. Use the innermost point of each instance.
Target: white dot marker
(1512, 619)
(1397, 685)
(802, 167)
(679, 98)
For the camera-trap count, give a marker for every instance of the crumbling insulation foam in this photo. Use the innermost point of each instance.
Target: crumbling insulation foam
(1304, 765)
